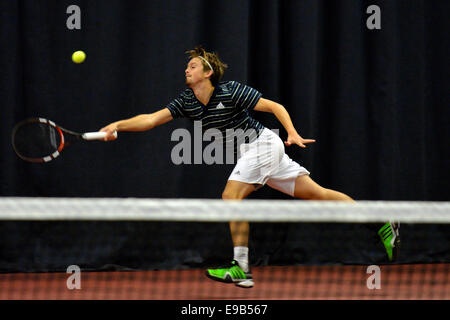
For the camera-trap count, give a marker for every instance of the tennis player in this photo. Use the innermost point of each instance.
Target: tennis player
(261, 157)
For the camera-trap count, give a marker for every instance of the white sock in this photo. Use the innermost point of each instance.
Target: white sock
(241, 256)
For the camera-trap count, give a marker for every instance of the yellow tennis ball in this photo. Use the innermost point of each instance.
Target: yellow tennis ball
(78, 56)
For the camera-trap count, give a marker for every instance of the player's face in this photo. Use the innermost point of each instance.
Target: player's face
(194, 72)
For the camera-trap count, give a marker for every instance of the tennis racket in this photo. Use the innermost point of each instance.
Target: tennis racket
(41, 140)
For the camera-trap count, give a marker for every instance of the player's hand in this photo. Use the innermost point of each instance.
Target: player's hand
(295, 138)
(110, 129)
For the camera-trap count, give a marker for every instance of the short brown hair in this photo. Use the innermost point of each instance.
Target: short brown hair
(213, 58)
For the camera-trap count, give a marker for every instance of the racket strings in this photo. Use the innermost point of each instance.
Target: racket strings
(37, 140)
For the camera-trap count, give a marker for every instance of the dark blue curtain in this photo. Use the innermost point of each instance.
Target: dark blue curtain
(375, 100)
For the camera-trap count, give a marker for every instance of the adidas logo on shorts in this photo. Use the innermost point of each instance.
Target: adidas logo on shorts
(220, 106)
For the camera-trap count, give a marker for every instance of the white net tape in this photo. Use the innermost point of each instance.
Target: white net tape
(209, 210)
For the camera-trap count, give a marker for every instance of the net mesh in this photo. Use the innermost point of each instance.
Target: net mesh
(159, 249)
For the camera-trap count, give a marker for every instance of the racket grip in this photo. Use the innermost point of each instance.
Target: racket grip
(96, 135)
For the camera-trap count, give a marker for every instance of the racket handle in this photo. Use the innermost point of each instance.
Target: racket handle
(96, 135)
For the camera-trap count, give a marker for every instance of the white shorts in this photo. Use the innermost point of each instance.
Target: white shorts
(264, 161)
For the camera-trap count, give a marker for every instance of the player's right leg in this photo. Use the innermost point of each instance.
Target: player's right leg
(306, 188)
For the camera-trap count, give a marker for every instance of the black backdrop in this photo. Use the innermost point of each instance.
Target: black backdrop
(375, 100)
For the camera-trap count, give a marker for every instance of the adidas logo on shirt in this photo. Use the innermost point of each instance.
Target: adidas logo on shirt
(220, 106)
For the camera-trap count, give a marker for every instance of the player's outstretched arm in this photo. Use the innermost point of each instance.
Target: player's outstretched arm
(266, 105)
(140, 122)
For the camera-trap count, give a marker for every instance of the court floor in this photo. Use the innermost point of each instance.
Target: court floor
(403, 282)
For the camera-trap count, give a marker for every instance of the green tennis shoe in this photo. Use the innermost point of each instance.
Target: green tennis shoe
(232, 273)
(390, 237)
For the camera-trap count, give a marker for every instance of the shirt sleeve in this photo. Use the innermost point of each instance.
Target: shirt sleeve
(245, 97)
(176, 108)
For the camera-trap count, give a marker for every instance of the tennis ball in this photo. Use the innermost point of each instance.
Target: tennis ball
(78, 56)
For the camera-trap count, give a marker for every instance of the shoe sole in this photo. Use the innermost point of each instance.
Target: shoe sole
(396, 241)
(396, 248)
(248, 283)
(245, 284)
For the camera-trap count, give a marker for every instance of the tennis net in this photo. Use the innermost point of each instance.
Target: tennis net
(159, 249)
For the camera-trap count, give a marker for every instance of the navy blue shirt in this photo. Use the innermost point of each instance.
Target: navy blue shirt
(227, 110)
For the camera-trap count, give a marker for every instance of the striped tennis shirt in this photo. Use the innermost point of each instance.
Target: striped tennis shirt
(227, 110)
